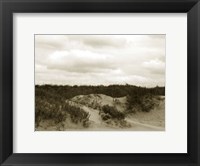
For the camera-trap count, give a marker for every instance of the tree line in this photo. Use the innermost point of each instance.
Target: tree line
(59, 92)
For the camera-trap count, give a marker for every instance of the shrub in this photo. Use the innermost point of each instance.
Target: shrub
(147, 103)
(77, 115)
(133, 100)
(46, 111)
(58, 113)
(112, 117)
(109, 112)
(143, 102)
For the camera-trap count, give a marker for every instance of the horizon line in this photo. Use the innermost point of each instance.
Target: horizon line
(100, 85)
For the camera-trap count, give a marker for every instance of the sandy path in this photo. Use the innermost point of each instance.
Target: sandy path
(94, 114)
(144, 126)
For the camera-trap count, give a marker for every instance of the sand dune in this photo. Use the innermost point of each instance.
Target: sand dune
(153, 120)
(139, 121)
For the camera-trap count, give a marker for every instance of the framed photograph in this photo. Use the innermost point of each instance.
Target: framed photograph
(99, 82)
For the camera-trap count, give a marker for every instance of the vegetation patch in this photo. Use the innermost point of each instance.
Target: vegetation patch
(143, 102)
(111, 112)
(77, 115)
(51, 106)
(48, 111)
(58, 113)
(112, 116)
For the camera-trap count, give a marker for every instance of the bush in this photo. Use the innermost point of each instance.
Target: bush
(46, 111)
(109, 112)
(112, 117)
(147, 103)
(58, 113)
(133, 100)
(143, 102)
(77, 115)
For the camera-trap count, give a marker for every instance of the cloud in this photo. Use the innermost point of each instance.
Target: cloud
(103, 41)
(80, 61)
(50, 41)
(100, 59)
(155, 66)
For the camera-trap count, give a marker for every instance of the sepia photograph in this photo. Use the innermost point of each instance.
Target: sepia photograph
(111, 82)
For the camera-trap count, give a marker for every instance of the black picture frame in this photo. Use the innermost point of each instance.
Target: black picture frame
(8, 7)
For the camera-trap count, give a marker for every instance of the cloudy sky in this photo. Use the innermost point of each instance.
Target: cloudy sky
(100, 59)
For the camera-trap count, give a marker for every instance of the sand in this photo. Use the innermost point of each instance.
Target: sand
(139, 121)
